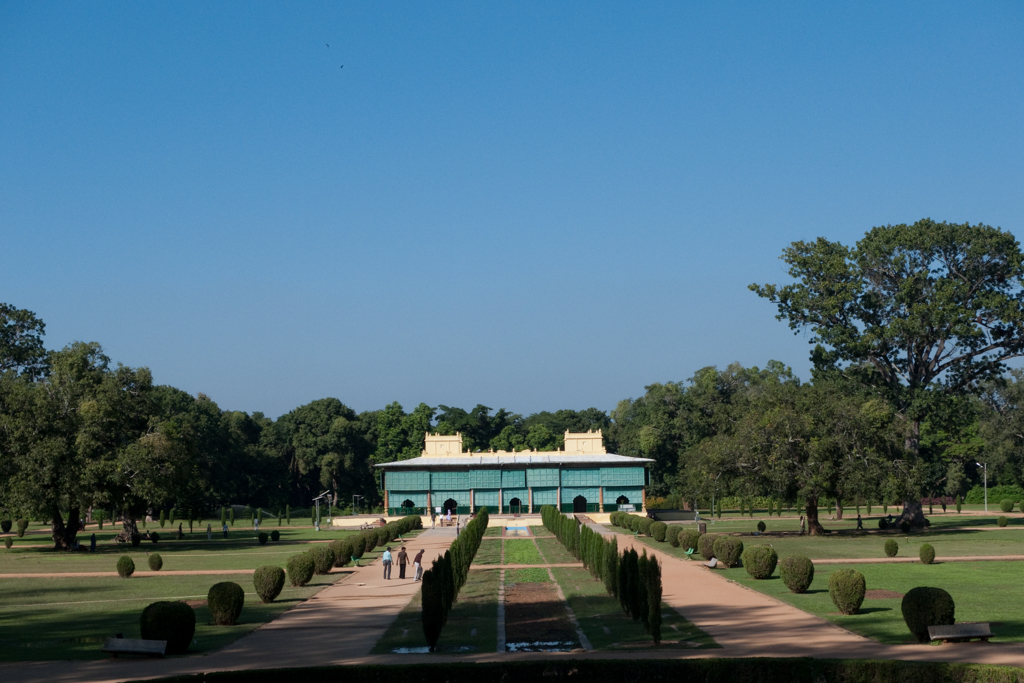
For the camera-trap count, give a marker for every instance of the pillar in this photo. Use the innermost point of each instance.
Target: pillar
(558, 498)
(430, 508)
(471, 508)
(643, 499)
(386, 501)
(600, 499)
(500, 501)
(529, 495)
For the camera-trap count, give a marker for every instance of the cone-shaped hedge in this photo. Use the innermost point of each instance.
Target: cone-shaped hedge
(269, 582)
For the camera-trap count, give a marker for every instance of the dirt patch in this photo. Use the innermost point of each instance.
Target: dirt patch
(195, 603)
(533, 612)
(881, 595)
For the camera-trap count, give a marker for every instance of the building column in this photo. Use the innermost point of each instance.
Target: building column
(500, 502)
(643, 499)
(558, 498)
(386, 501)
(529, 495)
(471, 508)
(600, 499)
(430, 508)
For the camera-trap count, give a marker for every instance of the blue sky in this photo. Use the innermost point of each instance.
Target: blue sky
(526, 205)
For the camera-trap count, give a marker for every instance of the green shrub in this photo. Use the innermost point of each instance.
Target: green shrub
(923, 607)
(658, 530)
(846, 587)
(5, 526)
(225, 601)
(125, 567)
(263, 537)
(672, 535)
(797, 573)
(358, 545)
(174, 622)
(905, 526)
(927, 553)
(269, 581)
(689, 538)
(760, 561)
(706, 546)
(728, 550)
(136, 540)
(323, 558)
(22, 525)
(156, 563)
(342, 552)
(1002, 521)
(761, 526)
(644, 525)
(8, 542)
(300, 569)
(891, 547)
(275, 535)
(1006, 505)
(154, 536)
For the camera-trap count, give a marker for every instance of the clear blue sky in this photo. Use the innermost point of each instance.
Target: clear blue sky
(526, 205)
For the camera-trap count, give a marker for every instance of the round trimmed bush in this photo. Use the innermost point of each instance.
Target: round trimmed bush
(263, 537)
(689, 538)
(125, 567)
(658, 530)
(1006, 505)
(22, 525)
(154, 536)
(882, 524)
(672, 534)
(923, 607)
(927, 554)
(5, 526)
(323, 559)
(370, 537)
(728, 550)
(275, 535)
(155, 562)
(905, 526)
(300, 569)
(1002, 521)
(136, 540)
(797, 573)
(846, 587)
(269, 581)
(644, 525)
(358, 545)
(342, 552)
(174, 622)
(706, 546)
(8, 542)
(891, 547)
(225, 601)
(760, 561)
(761, 526)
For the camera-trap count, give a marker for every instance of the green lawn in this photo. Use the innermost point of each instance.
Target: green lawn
(493, 531)
(540, 531)
(951, 520)
(553, 552)
(609, 628)
(982, 591)
(521, 551)
(489, 552)
(472, 624)
(70, 618)
(526, 575)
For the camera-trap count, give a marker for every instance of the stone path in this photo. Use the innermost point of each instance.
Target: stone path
(169, 572)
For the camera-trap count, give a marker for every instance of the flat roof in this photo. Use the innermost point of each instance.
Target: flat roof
(492, 460)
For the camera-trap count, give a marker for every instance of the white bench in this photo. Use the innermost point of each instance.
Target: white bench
(960, 632)
(134, 646)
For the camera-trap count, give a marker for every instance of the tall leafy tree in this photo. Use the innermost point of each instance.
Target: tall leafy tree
(21, 342)
(920, 313)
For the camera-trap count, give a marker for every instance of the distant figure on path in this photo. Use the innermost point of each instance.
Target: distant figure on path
(209, 532)
(402, 559)
(386, 561)
(418, 563)
(92, 544)
(224, 528)
(448, 517)
(181, 534)
(860, 523)
(801, 525)
(433, 517)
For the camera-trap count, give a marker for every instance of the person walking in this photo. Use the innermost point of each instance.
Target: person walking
(433, 518)
(402, 559)
(418, 563)
(224, 528)
(386, 561)
(181, 534)
(209, 532)
(860, 523)
(801, 525)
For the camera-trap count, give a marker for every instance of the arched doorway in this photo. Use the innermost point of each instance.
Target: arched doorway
(450, 504)
(407, 503)
(622, 500)
(579, 504)
(515, 506)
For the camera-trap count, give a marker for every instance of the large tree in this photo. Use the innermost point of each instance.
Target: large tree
(922, 313)
(21, 342)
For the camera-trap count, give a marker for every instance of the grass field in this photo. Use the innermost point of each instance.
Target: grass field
(521, 551)
(553, 552)
(489, 552)
(70, 618)
(982, 591)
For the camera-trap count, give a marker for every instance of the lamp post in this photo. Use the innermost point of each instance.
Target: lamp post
(317, 501)
(985, 466)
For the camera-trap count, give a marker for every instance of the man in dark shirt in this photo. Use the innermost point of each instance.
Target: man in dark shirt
(402, 559)
(418, 563)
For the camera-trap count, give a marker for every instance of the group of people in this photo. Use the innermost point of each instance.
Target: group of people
(403, 559)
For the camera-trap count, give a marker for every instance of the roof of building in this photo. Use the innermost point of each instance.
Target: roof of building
(523, 458)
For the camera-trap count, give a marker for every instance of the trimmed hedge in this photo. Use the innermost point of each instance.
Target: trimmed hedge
(761, 526)
(927, 553)
(269, 582)
(1002, 521)
(672, 534)
(174, 622)
(891, 547)
(225, 601)
(358, 545)
(263, 537)
(156, 563)
(923, 607)
(342, 549)
(8, 542)
(689, 538)
(5, 526)
(300, 569)
(22, 525)
(1006, 505)
(125, 566)
(658, 530)
(323, 558)
(706, 546)
(846, 587)
(797, 573)
(760, 561)
(275, 535)
(728, 550)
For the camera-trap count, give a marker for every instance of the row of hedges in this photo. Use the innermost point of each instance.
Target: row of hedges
(632, 522)
(976, 496)
(762, 670)
(634, 579)
(446, 576)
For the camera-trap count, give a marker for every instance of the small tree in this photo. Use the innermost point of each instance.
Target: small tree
(232, 515)
(163, 518)
(288, 514)
(653, 589)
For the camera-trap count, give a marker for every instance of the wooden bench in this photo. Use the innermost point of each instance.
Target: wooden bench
(960, 632)
(134, 646)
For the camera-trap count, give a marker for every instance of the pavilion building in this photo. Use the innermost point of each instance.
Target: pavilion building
(582, 477)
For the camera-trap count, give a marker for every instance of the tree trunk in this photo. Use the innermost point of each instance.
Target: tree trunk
(128, 528)
(913, 512)
(64, 536)
(814, 527)
(839, 509)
